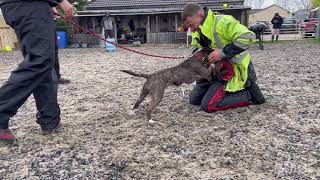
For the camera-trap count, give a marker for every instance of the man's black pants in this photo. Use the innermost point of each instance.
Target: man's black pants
(56, 61)
(211, 96)
(34, 25)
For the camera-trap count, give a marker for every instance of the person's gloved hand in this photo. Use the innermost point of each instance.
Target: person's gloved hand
(67, 8)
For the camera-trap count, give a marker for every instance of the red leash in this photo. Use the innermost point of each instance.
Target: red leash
(105, 40)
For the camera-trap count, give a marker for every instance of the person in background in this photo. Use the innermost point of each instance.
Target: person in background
(108, 26)
(277, 22)
(33, 22)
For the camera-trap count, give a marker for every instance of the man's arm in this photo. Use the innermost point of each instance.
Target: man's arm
(67, 8)
(281, 21)
(240, 36)
(65, 5)
(102, 22)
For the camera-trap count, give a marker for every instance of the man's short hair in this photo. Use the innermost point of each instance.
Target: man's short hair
(190, 10)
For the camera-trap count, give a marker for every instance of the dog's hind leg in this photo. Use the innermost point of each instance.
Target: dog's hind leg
(156, 98)
(143, 95)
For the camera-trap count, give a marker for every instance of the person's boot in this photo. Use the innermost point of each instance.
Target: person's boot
(277, 38)
(272, 38)
(51, 131)
(256, 94)
(64, 81)
(6, 137)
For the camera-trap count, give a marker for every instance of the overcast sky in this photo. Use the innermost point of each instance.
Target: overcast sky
(268, 2)
(292, 8)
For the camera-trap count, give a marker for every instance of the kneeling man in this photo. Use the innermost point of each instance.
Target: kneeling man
(236, 84)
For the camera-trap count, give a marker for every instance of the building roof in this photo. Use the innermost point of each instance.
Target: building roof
(146, 11)
(139, 4)
(144, 7)
(302, 11)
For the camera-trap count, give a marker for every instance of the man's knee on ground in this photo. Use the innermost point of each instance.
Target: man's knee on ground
(205, 107)
(194, 100)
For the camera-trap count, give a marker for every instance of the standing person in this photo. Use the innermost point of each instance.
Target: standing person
(61, 80)
(230, 40)
(108, 26)
(277, 22)
(33, 23)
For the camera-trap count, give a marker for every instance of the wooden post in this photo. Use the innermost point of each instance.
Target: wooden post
(242, 18)
(157, 23)
(188, 36)
(176, 22)
(93, 25)
(148, 29)
(115, 29)
(318, 27)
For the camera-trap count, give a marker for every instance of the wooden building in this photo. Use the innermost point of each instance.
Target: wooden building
(154, 21)
(267, 13)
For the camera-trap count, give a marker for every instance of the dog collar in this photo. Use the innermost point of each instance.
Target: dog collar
(202, 57)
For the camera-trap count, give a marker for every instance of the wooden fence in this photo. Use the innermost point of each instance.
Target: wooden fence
(167, 38)
(84, 38)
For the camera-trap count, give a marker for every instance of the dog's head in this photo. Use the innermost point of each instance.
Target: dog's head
(199, 63)
(203, 55)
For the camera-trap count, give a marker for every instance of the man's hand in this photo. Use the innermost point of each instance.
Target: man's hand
(54, 11)
(67, 8)
(215, 56)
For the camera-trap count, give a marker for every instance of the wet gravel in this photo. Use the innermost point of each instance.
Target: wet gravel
(102, 138)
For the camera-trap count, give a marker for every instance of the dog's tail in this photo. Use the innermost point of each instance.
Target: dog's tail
(135, 74)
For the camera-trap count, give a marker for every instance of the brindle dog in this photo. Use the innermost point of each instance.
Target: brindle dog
(188, 71)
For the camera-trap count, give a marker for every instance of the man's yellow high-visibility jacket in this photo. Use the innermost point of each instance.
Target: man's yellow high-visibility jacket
(223, 31)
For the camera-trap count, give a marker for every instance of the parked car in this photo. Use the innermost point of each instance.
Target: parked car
(309, 27)
(266, 23)
(290, 25)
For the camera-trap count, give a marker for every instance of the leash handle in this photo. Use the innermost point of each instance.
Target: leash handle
(117, 45)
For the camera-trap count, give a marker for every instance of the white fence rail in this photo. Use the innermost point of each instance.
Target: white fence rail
(295, 33)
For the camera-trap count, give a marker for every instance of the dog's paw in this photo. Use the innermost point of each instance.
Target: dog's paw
(151, 121)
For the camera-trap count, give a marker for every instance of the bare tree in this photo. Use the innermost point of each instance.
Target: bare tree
(257, 4)
(303, 4)
(249, 3)
(285, 4)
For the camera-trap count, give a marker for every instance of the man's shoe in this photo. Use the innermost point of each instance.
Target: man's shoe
(256, 94)
(64, 81)
(6, 136)
(51, 131)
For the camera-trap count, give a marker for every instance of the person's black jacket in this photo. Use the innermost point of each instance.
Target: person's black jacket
(52, 3)
(277, 22)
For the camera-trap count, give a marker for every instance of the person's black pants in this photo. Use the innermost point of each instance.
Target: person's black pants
(108, 34)
(211, 96)
(56, 61)
(35, 29)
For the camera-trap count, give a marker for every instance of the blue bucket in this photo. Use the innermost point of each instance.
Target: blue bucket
(110, 47)
(62, 39)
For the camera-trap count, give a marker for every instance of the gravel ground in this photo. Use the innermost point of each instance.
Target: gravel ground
(102, 138)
